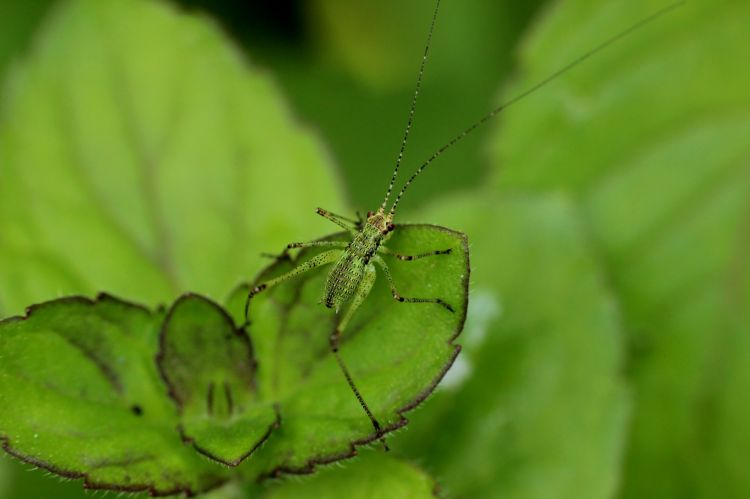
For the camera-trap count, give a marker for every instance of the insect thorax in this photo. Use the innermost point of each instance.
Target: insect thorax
(346, 275)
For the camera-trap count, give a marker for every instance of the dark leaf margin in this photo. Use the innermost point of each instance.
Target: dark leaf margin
(171, 392)
(311, 465)
(89, 484)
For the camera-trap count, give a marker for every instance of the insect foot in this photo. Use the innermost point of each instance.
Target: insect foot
(447, 306)
(334, 343)
(254, 291)
(257, 289)
(437, 301)
(408, 258)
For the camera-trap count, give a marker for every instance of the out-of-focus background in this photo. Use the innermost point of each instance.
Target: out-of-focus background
(607, 350)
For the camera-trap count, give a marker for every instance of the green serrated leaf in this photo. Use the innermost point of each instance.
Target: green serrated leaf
(141, 154)
(209, 367)
(536, 406)
(396, 352)
(83, 399)
(651, 139)
(372, 476)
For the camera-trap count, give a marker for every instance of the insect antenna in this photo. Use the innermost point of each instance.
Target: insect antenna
(531, 90)
(413, 107)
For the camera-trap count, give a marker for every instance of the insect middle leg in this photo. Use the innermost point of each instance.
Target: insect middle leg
(316, 261)
(385, 251)
(362, 291)
(397, 296)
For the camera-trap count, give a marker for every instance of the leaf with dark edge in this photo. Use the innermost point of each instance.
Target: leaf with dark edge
(538, 407)
(396, 352)
(83, 399)
(209, 367)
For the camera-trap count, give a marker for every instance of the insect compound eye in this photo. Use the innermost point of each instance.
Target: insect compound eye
(390, 227)
(370, 213)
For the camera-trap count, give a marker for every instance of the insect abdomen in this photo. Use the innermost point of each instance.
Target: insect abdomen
(343, 280)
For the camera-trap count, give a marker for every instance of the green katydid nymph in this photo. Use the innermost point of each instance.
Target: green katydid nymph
(356, 262)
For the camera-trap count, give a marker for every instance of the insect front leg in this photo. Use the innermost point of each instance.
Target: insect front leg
(316, 261)
(397, 296)
(339, 220)
(407, 258)
(362, 292)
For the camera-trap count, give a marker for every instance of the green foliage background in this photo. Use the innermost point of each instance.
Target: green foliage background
(607, 349)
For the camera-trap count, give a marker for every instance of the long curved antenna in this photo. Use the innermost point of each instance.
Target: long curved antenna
(413, 106)
(533, 89)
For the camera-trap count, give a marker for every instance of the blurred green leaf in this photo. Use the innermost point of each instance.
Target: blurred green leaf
(84, 400)
(141, 155)
(396, 352)
(354, 78)
(210, 370)
(18, 22)
(382, 43)
(651, 138)
(536, 406)
(5, 477)
(21, 483)
(372, 476)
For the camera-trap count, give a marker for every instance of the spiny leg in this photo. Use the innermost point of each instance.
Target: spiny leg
(318, 244)
(362, 291)
(338, 220)
(343, 218)
(316, 261)
(310, 244)
(397, 296)
(385, 251)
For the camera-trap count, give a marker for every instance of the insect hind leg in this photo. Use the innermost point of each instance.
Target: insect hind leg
(361, 294)
(397, 296)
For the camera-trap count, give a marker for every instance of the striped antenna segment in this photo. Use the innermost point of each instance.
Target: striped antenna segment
(413, 106)
(533, 89)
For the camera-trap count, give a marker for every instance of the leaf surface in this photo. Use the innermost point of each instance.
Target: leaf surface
(141, 155)
(18, 22)
(372, 476)
(396, 352)
(650, 138)
(536, 406)
(210, 369)
(84, 399)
